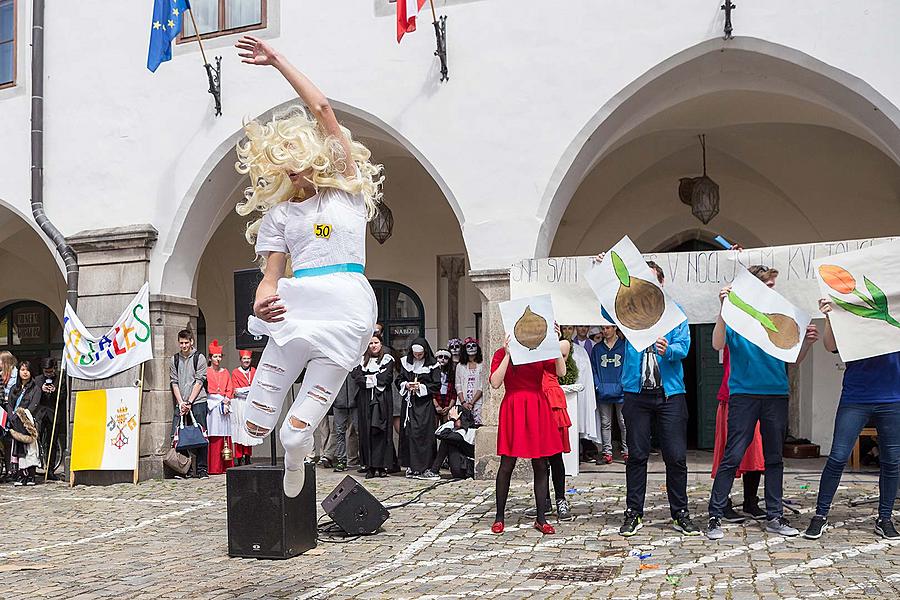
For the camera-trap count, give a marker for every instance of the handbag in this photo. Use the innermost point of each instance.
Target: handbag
(190, 437)
(176, 461)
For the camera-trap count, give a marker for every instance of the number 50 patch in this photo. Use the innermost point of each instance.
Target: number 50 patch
(323, 231)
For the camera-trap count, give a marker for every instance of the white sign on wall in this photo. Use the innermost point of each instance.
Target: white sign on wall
(693, 279)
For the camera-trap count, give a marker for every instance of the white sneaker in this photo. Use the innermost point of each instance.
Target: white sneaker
(293, 481)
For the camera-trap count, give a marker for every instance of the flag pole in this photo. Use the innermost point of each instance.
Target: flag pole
(62, 373)
(199, 39)
(433, 13)
(137, 440)
(212, 73)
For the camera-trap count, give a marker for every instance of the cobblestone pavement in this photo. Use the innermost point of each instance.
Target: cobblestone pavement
(128, 541)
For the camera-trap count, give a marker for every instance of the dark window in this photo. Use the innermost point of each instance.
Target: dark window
(30, 330)
(401, 312)
(223, 17)
(7, 42)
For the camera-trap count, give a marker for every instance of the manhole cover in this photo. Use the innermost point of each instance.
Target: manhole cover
(590, 573)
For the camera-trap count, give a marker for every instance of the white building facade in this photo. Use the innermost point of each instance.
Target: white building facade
(562, 127)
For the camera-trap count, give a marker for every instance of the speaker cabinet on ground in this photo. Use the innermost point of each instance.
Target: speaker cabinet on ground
(354, 509)
(262, 521)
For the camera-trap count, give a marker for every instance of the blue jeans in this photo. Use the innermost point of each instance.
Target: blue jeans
(671, 417)
(744, 410)
(848, 422)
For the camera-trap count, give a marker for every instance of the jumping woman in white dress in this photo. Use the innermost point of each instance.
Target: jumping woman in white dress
(315, 188)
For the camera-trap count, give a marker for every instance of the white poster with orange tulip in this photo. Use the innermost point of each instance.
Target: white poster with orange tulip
(864, 290)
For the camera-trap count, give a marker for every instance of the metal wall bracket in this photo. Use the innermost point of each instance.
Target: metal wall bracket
(728, 7)
(440, 34)
(214, 74)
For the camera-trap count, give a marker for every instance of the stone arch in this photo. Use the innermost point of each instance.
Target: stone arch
(202, 209)
(745, 64)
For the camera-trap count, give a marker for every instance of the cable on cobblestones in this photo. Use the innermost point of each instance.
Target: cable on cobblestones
(331, 532)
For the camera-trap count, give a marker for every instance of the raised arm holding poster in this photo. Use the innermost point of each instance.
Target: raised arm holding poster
(765, 317)
(864, 289)
(529, 323)
(629, 292)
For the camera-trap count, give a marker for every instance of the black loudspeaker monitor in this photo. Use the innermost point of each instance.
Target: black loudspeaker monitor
(245, 283)
(354, 509)
(262, 521)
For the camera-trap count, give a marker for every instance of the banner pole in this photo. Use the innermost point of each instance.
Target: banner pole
(62, 373)
(138, 437)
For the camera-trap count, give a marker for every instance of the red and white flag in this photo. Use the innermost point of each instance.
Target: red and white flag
(3, 418)
(406, 16)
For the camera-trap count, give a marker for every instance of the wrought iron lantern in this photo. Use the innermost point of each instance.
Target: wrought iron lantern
(382, 226)
(700, 193)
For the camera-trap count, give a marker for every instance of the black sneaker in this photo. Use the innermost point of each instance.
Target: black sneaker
(563, 511)
(633, 522)
(754, 511)
(730, 516)
(885, 528)
(340, 467)
(817, 527)
(202, 475)
(683, 524)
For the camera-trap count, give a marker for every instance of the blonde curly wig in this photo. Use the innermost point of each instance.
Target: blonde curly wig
(293, 142)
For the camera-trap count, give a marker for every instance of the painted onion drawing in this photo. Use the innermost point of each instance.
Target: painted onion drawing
(639, 304)
(530, 329)
(781, 329)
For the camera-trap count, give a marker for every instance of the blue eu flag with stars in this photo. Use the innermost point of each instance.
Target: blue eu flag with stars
(167, 15)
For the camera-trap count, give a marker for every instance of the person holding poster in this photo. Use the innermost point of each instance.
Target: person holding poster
(241, 378)
(653, 386)
(316, 189)
(525, 428)
(218, 404)
(871, 392)
(758, 391)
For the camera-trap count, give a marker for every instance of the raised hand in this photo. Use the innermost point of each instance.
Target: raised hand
(256, 51)
(825, 306)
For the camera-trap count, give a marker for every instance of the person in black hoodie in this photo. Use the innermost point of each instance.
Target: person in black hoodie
(374, 405)
(23, 400)
(418, 381)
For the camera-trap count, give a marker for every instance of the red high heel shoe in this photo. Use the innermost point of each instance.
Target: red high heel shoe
(497, 527)
(546, 528)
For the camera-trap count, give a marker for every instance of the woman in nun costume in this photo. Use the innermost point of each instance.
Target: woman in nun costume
(374, 405)
(418, 380)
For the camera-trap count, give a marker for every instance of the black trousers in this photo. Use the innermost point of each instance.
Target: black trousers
(671, 417)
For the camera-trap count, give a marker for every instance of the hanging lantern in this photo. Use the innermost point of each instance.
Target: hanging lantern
(701, 193)
(382, 226)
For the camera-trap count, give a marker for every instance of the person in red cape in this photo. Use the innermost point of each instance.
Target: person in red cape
(241, 378)
(526, 428)
(752, 465)
(218, 403)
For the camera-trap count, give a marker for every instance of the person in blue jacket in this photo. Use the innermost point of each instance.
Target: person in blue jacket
(653, 382)
(607, 358)
(758, 391)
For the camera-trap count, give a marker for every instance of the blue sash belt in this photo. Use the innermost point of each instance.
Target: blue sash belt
(329, 269)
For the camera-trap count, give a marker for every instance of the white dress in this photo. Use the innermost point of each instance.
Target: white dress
(588, 416)
(336, 312)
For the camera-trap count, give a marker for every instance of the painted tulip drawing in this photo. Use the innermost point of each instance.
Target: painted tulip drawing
(876, 303)
(781, 329)
(639, 304)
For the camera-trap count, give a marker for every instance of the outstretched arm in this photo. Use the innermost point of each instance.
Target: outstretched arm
(254, 51)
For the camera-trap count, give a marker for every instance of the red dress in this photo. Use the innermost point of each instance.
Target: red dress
(558, 407)
(753, 458)
(526, 428)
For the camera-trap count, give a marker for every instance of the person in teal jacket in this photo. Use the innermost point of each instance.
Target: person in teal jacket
(653, 382)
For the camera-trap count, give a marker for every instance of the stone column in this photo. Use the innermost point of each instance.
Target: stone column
(453, 268)
(114, 264)
(494, 287)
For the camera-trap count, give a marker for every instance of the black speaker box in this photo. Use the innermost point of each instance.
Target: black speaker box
(354, 509)
(245, 283)
(262, 521)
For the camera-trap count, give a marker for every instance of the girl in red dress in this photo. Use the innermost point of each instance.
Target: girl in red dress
(526, 429)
